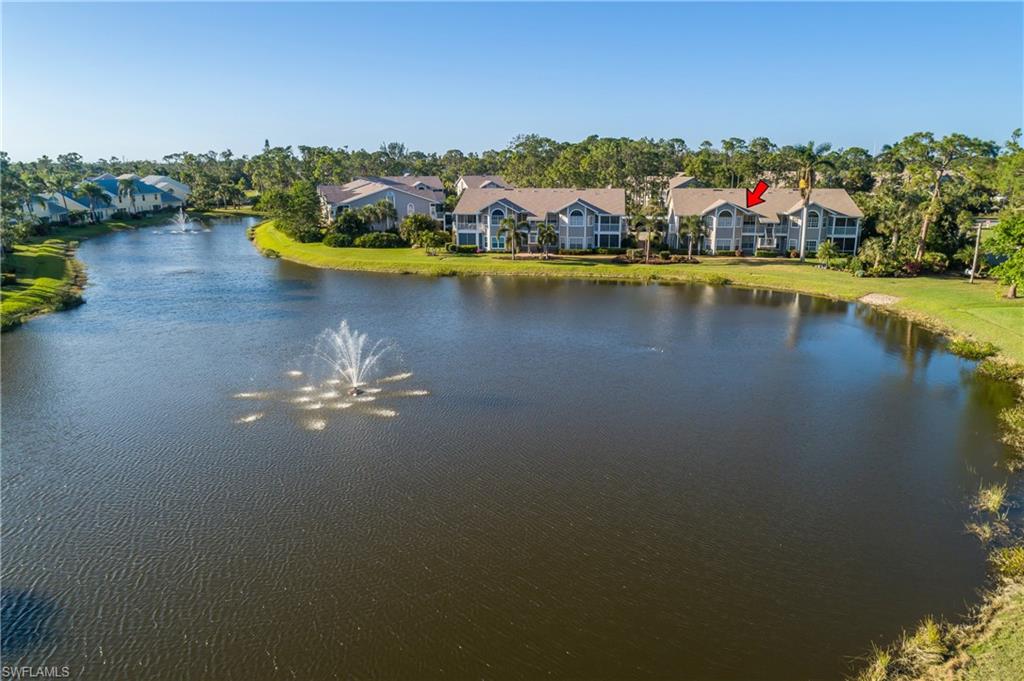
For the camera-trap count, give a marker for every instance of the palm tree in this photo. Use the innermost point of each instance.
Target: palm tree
(655, 230)
(386, 212)
(95, 194)
(827, 251)
(547, 235)
(694, 226)
(809, 160)
(126, 189)
(510, 227)
(872, 249)
(637, 223)
(57, 183)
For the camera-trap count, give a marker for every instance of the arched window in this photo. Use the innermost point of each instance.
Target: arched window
(812, 220)
(497, 215)
(410, 208)
(725, 219)
(576, 218)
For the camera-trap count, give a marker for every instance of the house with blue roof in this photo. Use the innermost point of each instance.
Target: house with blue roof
(141, 198)
(51, 207)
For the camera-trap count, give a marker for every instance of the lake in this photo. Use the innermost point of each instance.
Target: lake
(579, 480)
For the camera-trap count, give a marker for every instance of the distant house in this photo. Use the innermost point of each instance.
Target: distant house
(169, 185)
(409, 194)
(773, 225)
(584, 218)
(48, 208)
(147, 198)
(682, 181)
(480, 182)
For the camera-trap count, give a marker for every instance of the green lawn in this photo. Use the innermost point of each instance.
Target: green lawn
(998, 651)
(47, 279)
(947, 303)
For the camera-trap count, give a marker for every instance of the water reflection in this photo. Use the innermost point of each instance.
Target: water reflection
(664, 481)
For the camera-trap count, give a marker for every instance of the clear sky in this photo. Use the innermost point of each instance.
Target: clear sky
(144, 80)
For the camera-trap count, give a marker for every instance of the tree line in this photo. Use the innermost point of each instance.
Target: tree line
(920, 194)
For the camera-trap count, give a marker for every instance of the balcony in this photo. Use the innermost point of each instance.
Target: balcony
(768, 242)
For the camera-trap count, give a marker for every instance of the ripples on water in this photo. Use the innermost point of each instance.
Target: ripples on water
(606, 482)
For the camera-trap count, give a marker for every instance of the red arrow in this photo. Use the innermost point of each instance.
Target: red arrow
(754, 197)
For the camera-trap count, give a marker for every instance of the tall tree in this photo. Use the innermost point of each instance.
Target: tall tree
(931, 162)
(547, 235)
(809, 161)
(95, 195)
(126, 190)
(510, 229)
(693, 227)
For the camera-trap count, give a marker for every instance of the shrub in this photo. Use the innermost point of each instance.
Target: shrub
(577, 251)
(350, 222)
(611, 251)
(717, 280)
(911, 268)
(379, 240)
(794, 253)
(764, 253)
(1008, 561)
(271, 253)
(466, 250)
(416, 223)
(338, 240)
(854, 265)
(839, 263)
(665, 255)
(1012, 421)
(971, 349)
(935, 262)
(635, 254)
(451, 248)
(991, 498)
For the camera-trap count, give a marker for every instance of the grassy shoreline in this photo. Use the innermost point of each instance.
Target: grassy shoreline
(50, 278)
(947, 304)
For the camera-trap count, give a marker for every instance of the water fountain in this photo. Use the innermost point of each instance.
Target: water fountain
(181, 220)
(349, 354)
(351, 382)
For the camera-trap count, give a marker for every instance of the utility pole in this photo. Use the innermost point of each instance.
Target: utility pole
(977, 244)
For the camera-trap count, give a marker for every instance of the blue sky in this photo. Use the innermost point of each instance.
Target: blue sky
(144, 80)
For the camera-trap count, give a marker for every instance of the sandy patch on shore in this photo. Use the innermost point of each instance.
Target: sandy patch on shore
(878, 299)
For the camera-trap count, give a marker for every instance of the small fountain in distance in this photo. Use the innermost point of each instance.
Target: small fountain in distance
(350, 356)
(181, 221)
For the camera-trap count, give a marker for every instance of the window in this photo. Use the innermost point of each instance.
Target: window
(748, 220)
(725, 219)
(708, 222)
(391, 197)
(576, 229)
(467, 239)
(533, 238)
(812, 246)
(497, 215)
(410, 208)
(812, 220)
(608, 240)
(608, 223)
(845, 244)
(723, 245)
